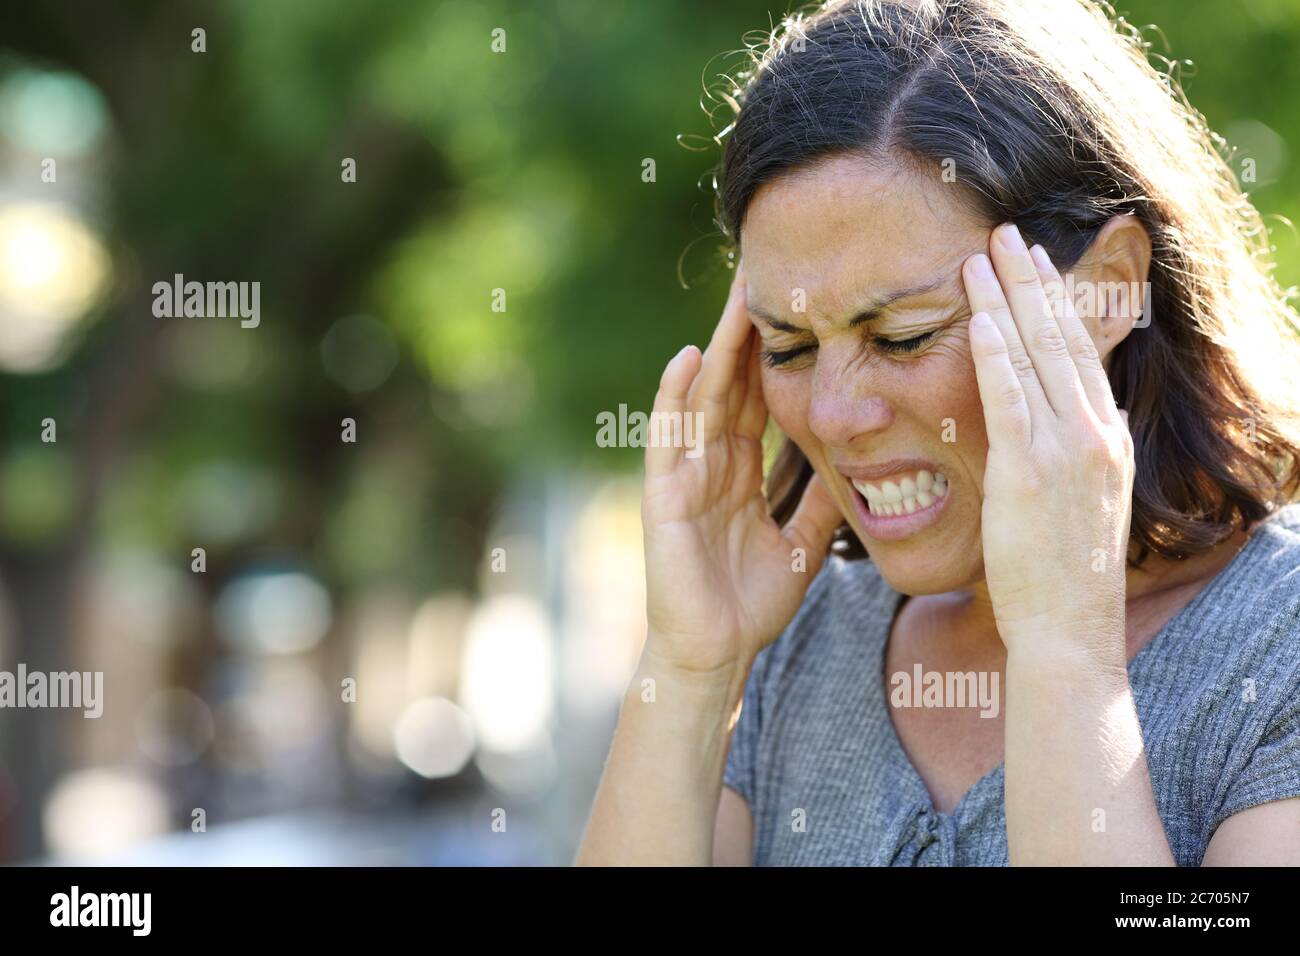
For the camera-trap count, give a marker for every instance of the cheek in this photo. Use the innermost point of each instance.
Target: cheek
(955, 388)
(786, 394)
(955, 403)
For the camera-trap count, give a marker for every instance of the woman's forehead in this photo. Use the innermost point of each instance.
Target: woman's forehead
(845, 224)
(846, 231)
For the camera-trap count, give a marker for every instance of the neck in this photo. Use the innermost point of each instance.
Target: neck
(1154, 592)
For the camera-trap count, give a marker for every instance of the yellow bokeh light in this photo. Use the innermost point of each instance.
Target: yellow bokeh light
(52, 267)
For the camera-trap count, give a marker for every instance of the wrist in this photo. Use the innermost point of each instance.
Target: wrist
(712, 687)
(1083, 666)
(1083, 639)
(663, 654)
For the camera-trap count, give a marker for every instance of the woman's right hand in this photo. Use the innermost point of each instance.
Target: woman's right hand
(722, 579)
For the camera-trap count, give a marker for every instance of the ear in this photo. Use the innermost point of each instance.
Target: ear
(1109, 283)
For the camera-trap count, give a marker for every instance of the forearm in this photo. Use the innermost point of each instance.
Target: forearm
(1077, 787)
(658, 796)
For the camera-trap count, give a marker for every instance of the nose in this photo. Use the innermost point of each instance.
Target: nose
(844, 405)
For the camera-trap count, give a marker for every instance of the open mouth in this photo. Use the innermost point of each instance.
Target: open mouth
(907, 495)
(910, 500)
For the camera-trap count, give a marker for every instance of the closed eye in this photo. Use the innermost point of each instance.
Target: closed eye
(775, 358)
(904, 345)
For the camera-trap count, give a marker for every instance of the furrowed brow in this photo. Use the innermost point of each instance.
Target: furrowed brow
(772, 320)
(879, 304)
(874, 309)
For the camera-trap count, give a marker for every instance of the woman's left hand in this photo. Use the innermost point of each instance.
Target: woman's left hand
(1058, 481)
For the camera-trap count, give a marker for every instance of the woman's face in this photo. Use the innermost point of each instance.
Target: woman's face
(854, 283)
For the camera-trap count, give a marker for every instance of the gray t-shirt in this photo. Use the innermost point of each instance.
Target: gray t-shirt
(815, 755)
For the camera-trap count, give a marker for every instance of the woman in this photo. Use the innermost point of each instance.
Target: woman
(1005, 302)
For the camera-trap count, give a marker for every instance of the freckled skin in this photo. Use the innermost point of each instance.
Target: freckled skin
(845, 231)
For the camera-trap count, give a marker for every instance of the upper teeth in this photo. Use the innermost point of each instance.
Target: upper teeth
(919, 491)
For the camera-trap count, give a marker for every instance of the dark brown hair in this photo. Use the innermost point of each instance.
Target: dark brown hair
(1052, 117)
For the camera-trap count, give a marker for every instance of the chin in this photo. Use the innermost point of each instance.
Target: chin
(915, 579)
(919, 567)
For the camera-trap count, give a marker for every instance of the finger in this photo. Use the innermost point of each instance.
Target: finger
(674, 385)
(752, 421)
(739, 390)
(718, 372)
(813, 523)
(1006, 412)
(1096, 384)
(985, 295)
(1038, 327)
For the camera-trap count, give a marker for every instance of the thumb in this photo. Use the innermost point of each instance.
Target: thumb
(1128, 431)
(814, 521)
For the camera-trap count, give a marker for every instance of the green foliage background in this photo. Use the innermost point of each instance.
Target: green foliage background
(477, 171)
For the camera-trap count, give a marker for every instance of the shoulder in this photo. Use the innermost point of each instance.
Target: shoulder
(1256, 610)
(1253, 605)
(1276, 548)
(1241, 634)
(1219, 696)
(1263, 614)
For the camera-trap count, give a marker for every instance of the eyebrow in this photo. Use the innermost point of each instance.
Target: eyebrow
(874, 309)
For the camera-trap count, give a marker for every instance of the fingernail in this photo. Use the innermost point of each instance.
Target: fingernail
(1009, 236)
(1040, 257)
(980, 266)
(980, 320)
